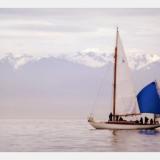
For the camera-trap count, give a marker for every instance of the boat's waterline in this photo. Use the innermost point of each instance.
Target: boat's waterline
(116, 126)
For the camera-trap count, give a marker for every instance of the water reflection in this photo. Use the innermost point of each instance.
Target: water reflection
(46, 135)
(114, 132)
(126, 140)
(114, 138)
(150, 132)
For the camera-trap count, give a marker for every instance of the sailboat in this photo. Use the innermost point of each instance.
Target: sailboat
(125, 101)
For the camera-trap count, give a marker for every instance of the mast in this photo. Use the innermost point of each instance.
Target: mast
(115, 76)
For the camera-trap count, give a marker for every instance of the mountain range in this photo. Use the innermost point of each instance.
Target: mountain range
(66, 86)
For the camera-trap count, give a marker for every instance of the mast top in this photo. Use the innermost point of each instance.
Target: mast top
(117, 37)
(117, 28)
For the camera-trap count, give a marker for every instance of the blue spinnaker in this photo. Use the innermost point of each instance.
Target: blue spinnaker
(149, 100)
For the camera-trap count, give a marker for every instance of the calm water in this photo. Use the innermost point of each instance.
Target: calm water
(72, 135)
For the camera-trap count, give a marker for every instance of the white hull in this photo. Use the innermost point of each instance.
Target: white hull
(116, 126)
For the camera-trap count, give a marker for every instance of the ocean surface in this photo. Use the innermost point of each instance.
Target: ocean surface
(50, 135)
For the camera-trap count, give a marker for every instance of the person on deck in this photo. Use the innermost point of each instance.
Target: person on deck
(141, 120)
(146, 120)
(117, 117)
(110, 116)
(137, 121)
(151, 121)
(120, 119)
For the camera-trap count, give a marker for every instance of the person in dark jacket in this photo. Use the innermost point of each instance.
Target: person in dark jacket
(146, 120)
(120, 119)
(151, 121)
(137, 121)
(117, 117)
(141, 120)
(110, 117)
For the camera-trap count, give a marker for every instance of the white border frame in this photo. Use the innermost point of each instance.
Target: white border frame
(80, 4)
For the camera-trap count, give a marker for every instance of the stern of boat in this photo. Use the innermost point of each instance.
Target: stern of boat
(90, 119)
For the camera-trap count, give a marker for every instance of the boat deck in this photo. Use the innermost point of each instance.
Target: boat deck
(129, 123)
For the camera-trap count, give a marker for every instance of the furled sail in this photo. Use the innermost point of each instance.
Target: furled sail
(149, 99)
(126, 101)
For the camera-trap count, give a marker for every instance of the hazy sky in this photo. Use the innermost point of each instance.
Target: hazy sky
(43, 32)
(49, 86)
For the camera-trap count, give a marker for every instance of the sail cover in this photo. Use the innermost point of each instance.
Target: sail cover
(148, 99)
(126, 101)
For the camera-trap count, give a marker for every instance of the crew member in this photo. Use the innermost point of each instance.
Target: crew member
(110, 117)
(151, 121)
(146, 120)
(120, 119)
(141, 120)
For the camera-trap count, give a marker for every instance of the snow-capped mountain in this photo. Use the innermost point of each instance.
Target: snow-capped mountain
(97, 58)
(17, 61)
(52, 84)
(90, 57)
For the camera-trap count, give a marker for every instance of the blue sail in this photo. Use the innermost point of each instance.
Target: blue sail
(149, 100)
